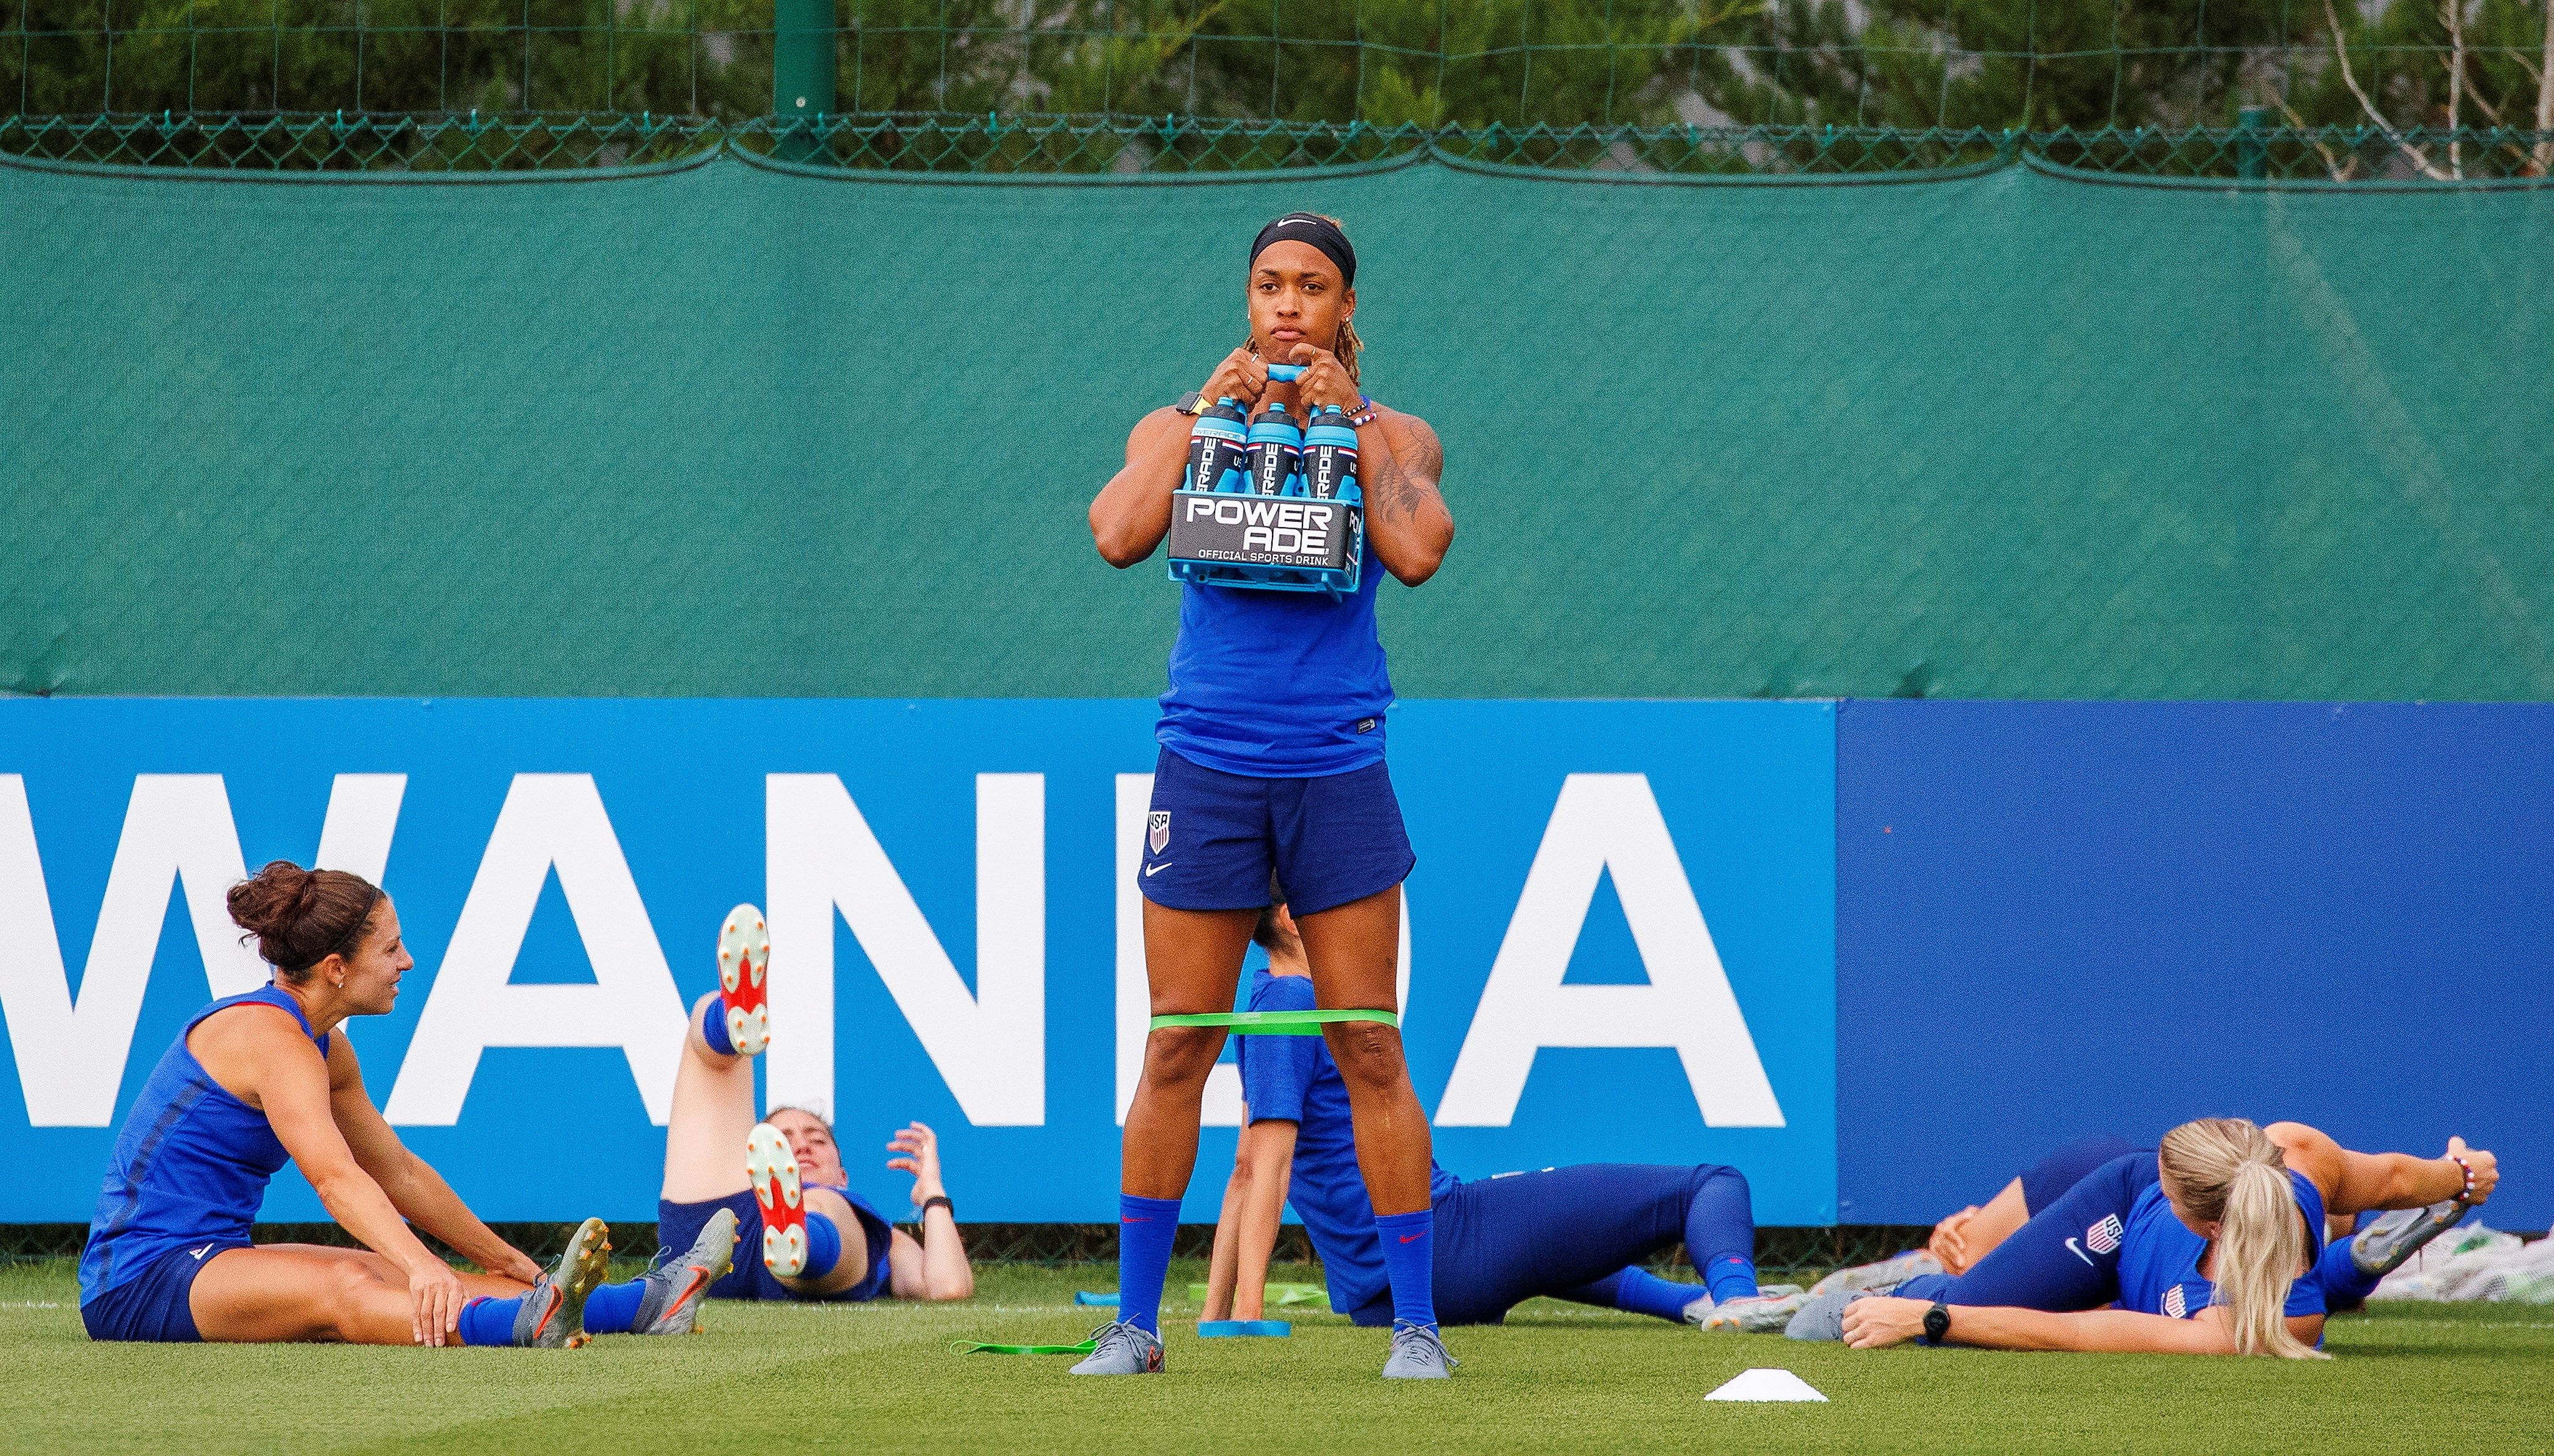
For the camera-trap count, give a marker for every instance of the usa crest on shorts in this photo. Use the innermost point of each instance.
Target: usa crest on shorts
(1157, 829)
(2102, 1237)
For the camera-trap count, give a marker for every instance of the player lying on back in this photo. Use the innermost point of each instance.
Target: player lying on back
(1570, 1233)
(2206, 1247)
(256, 1080)
(780, 1179)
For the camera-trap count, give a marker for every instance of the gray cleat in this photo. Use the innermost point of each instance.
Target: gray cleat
(1893, 1271)
(1759, 1314)
(1821, 1317)
(553, 1314)
(1417, 1353)
(2395, 1236)
(1122, 1348)
(678, 1284)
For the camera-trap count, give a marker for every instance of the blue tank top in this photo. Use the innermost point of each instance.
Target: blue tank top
(1278, 685)
(191, 1167)
(2160, 1258)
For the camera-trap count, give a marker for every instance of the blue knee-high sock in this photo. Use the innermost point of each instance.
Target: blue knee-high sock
(612, 1309)
(1721, 1234)
(2343, 1287)
(1409, 1261)
(486, 1321)
(824, 1247)
(1639, 1292)
(1145, 1226)
(713, 1027)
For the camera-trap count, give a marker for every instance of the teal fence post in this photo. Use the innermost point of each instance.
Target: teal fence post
(2252, 149)
(802, 71)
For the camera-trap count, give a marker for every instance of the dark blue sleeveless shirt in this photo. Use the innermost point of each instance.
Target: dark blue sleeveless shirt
(1278, 685)
(191, 1167)
(2160, 1258)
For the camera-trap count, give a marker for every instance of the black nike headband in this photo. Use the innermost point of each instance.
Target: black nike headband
(1321, 232)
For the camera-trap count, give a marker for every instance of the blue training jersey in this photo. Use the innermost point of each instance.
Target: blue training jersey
(1293, 1079)
(2160, 1258)
(190, 1166)
(1278, 685)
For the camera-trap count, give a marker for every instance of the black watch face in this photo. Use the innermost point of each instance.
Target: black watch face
(1188, 402)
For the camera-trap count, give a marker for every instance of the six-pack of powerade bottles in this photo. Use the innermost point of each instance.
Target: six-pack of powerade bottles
(1265, 504)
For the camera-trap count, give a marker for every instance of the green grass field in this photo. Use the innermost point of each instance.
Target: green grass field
(2410, 1378)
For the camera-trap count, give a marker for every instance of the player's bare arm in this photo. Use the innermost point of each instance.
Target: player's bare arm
(1399, 462)
(1132, 512)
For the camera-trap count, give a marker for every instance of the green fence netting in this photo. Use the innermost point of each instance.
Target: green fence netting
(741, 430)
(2029, 65)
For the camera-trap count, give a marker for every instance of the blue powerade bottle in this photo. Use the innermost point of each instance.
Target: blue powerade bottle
(1276, 450)
(1216, 446)
(1331, 455)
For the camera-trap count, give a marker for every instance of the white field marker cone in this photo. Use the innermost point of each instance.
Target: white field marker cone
(1765, 1385)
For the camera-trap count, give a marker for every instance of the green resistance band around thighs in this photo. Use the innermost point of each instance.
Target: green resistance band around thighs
(1276, 1022)
(979, 1347)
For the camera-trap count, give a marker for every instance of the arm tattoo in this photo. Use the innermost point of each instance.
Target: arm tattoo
(1398, 490)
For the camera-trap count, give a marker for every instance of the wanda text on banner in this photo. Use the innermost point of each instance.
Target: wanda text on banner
(1620, 944)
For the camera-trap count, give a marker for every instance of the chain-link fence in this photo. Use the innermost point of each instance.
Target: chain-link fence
(1779, 1251)
(1153, 147)
(2029, 65)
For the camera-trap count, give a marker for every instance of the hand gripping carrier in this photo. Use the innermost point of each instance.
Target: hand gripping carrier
(1269, 506)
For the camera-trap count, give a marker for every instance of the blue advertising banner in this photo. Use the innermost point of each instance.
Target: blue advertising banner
(1621, 930)
(2063, 918)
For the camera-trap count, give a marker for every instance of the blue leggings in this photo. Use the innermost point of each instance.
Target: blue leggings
(2048, 1263)
(1565, 1232)
(2046, 1182)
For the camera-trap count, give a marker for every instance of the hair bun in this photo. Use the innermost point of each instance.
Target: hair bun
(268, 902)
(300, 916)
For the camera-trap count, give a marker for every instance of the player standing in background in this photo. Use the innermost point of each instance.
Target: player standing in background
(1272, 755)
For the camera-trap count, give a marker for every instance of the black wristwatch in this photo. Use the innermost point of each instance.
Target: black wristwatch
(1192, 403)
(1938, 1323)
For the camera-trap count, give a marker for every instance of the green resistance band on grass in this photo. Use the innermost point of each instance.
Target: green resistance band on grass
(1276, 1022)
(981, 1347)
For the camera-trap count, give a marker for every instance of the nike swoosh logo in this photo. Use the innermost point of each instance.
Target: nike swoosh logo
(698, 1275)
(1151, 870)
(200, 1252)
(2080, 1253)
(1412, 1237)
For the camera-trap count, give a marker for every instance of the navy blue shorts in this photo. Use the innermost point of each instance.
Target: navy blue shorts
(1213, 837)
(678, 1224)
(153, 1305)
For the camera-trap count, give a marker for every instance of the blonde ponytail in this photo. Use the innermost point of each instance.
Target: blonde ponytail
(2226, 1172)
